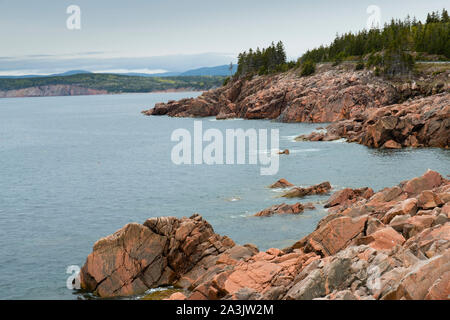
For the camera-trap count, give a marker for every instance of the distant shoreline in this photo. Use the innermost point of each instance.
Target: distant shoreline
(94, 84)
(57, 91)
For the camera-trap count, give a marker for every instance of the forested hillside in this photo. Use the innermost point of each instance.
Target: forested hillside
(117, 83)
(391, 50)
(431, 37)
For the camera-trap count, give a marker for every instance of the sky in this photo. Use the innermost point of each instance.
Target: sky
(153, 36)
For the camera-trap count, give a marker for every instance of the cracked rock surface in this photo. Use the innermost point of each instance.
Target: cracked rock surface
(392, 244)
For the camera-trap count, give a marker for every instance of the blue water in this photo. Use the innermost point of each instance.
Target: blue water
(75, 169)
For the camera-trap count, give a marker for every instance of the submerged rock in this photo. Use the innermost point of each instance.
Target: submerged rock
(286, 152)
(299, 192)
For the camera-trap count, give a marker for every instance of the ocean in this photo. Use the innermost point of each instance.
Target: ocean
(75, 169)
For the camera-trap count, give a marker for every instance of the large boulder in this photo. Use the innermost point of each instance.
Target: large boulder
(348, 196)
(157, 253)
(333, 236)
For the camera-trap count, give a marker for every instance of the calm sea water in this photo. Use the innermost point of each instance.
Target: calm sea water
(75, 169)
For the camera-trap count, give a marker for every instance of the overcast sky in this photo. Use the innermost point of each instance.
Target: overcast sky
(125, 35)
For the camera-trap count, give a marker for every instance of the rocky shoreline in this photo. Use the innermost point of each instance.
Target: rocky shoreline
(392, 244)
(423, 122)
(354, 100)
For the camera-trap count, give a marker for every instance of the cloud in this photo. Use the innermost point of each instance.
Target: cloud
(23, 73)
(108, 62)
(147, 71)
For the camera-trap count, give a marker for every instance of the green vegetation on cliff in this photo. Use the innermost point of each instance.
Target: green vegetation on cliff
(266, 61)
(117, 83)
(391, 50)
(431, 37)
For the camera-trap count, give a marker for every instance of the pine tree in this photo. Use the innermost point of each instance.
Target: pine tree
(445, 17)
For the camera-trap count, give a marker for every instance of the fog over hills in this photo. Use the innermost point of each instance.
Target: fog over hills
(102, 62)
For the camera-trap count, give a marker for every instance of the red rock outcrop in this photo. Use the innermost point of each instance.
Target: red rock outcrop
(394, 244)
(299, 192)
(285, 152)
(365, 107)
(285, 209)
(423, 122)
(348, 196)
(328, 96)
(157, 253)
(281, 184)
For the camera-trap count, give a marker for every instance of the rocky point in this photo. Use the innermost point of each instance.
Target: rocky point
(392, 244)
(367, 109)
(423, 122)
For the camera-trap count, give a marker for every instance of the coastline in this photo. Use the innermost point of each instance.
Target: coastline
(384, 245)
(362, 107)
(89, 92)
(392, 244)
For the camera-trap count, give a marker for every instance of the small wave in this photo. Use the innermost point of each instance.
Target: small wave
(232, 119)
(233, 199)
(276, 151)
(289, 138)
(339, 141)
(279, 190)
(239, 216)
(265, 151)
(304, 150)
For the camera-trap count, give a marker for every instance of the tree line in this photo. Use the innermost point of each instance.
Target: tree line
(116, 83)
(268, 60)
(432, 37)
(388, 49)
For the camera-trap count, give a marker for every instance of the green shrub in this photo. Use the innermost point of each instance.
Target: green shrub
(308, 68)
(226, 81)
(359, 66)
(374, 60)
(338, 59)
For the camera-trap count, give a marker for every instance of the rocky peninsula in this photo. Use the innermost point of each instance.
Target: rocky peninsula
(365, 108)
(392, 244)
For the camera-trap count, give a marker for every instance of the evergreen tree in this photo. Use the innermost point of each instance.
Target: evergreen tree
(268, 60)
(409, 35)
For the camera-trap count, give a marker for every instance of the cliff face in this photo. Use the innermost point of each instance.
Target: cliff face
(416, 123)
(328, 96)
(394, 244)
(334, 95)
(50, 90)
